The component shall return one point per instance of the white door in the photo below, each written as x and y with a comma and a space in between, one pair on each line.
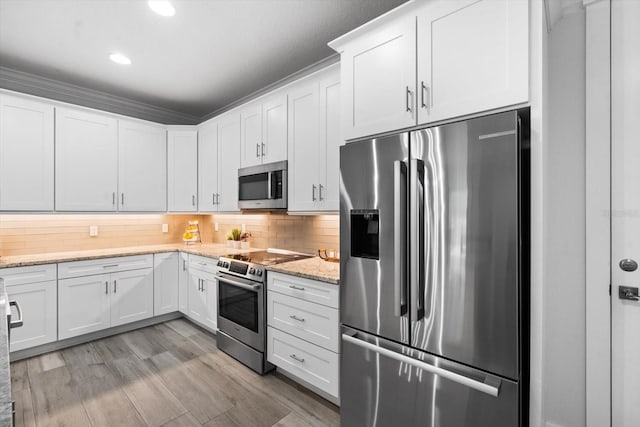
330, 134
183, 282
166, 270
182, 171
197, 299
378, 76
625, 220
274, 129
251, 135
208, 167
210, 286
83, 305
86, 161
131, 296
472, 56
228, 162
26, 155
142, 167
39, 305
303, 147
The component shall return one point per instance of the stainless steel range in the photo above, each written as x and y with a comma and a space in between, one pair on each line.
242, 305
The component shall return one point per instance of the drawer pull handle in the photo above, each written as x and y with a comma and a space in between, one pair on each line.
202, 263
299, 319
297, 288
110, 266
296, 358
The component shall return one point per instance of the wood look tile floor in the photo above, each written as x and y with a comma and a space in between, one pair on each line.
170, 374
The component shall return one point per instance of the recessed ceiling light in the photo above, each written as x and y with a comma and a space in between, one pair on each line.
162, 7
119, 58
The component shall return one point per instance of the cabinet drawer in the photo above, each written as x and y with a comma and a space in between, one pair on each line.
315, 365
203, 263
312, 322
306, 289
103, 265
31, 274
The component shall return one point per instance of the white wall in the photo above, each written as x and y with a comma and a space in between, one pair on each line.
563, 327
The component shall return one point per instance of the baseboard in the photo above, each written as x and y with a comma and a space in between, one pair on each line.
314, 389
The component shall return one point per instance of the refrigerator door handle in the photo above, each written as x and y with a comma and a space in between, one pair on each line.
490, 386
399, 238
417, 239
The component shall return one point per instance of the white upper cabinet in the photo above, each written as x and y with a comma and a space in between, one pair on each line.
228, 162
26, 155
378, 74
86, 161
314, 141
142, 167
472, 57
208, 167
182, 170
264, 131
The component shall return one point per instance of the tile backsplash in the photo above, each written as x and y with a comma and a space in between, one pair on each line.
41, 233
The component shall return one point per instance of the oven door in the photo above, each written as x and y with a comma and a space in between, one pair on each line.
263, 186
241, 310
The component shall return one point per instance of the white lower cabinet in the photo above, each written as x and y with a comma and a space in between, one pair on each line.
35, 290
202, 293
166, 287
92, 303
303, 321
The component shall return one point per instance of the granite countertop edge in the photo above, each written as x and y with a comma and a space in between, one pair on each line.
322, 271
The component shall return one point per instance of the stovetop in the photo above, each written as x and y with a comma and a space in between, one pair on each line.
266, 257
252, 265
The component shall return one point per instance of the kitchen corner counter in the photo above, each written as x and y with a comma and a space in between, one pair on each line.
211, 250
311, 268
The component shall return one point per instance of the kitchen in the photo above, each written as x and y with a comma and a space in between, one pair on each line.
116, 212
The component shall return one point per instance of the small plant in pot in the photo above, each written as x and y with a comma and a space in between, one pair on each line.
244, 240
235, 234
229, 238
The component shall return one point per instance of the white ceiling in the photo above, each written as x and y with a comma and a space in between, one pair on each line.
211, 53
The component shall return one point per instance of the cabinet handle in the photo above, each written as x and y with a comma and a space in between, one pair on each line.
296, 358
193, 200
122, 199
110, 266
257, 150
184, 265
297, 288
217, 198
115, 286
320, 187
263, 149
425, 92
16, 323
106, 287
203, 285
113, 198
299, 319
407, 96
313, 192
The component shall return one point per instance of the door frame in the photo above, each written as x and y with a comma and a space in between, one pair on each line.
598, 212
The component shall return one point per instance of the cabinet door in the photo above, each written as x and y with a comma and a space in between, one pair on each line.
303, 147
183, 171
26, 155
330, 134
183, 283
472, 57
274, 129
142, 167
197, 306
83, 305
228, 162
210, 286
378, 77
166, 270
131, 296
251, 135
208, 167
39, 304
86, 161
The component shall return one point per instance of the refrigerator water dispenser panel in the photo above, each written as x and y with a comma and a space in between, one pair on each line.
365, 234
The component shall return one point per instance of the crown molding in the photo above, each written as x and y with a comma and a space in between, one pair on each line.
32, 84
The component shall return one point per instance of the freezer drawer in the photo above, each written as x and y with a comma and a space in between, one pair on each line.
386, 384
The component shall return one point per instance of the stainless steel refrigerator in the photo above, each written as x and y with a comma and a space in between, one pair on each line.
434, 276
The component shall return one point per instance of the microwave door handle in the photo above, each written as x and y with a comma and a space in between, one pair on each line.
269, 194
399, 237
417, 238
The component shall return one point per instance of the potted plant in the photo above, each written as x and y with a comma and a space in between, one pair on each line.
244, 240
229, 238
235, 234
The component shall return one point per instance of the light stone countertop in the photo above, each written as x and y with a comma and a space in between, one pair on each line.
5, 382
311, 268
211, 250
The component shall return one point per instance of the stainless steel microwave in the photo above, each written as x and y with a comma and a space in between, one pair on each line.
263, 187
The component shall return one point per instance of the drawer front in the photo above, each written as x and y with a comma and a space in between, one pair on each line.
32, 274
306, 289
315, 365
203, 263
312, 322
104, 265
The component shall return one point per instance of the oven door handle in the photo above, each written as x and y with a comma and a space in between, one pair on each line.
255, 287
